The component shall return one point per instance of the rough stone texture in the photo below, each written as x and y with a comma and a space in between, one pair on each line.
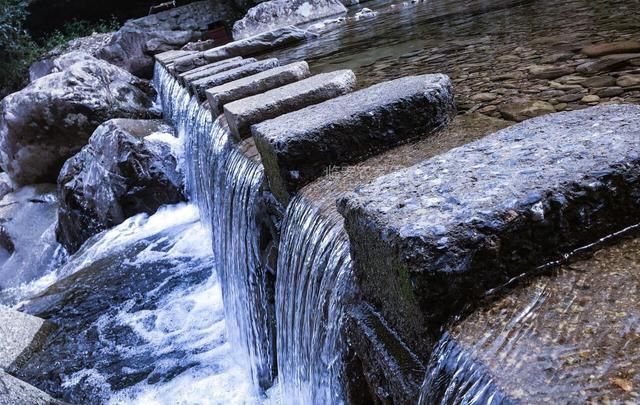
278, 13
213, 68
49, 121
17, 392
575, 327
133, 46
27, 240
62, 62
260, 43
297, 147
199, 86
255, 84
430, 239
243, 113
20, 335
120, 173
611, 48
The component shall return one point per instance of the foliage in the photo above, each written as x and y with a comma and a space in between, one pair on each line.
18, 50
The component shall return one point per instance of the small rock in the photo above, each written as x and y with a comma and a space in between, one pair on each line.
572, 79
508, 58
557, 57
628, 80
365, 13
484, 97
550, 71
611, 48
569, 98
591, 98
564, 87
522, 111
599, 81
610, 91
561, 106
606, 63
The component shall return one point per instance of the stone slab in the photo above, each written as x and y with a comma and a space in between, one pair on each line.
568, 337
17, 392
243, 113
20, 334
255, 84
169, 56
211, 69
431, 239
298, 147
260, 43
199, 86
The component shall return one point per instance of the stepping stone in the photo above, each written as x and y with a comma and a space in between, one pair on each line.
199, 86
256, 84
297, 147
20, 335
261, 43
430, 239
213, 68
167, 57
243, 113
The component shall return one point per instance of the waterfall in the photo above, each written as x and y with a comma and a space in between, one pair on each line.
227, 187
314, 277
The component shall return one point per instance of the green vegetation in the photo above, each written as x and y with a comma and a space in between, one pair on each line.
18, 49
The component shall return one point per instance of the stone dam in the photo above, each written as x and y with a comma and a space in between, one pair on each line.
449, 222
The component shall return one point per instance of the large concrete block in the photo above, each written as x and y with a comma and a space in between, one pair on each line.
211, 69
256, 84
199, 86
243, 113
20, 335
260, 43
297, 147
431, 239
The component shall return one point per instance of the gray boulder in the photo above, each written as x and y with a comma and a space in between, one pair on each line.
50, 120
275, 14
123, 171
63, 62
134, 45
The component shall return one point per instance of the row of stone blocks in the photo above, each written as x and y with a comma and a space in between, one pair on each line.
432, 239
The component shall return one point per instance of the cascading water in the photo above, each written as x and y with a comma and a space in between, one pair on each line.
227, 186
314, 278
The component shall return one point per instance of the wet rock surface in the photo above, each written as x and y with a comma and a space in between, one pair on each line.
242, 114
121, 172
255, 84
213, 68
430, 239
556, 338
261, 43
199, 86
274, 14
350, 128
49, 121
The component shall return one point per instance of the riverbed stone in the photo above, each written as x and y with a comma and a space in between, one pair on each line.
609, 92
628, 81
297, 147
599, 81
550, 71
199, 86
243, 113
261, 43
610, 48
431, 239
606, 63
520, 111
211, 69
255, 84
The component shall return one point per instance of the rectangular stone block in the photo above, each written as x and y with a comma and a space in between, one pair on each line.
297, 147
199, 86
261, 43
255, 84
243, 113
169, 56
211, 69
17, 392
432, 239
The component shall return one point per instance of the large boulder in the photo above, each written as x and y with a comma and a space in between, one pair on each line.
274, 14
128, 167
50, 120
63, 62
134, 45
